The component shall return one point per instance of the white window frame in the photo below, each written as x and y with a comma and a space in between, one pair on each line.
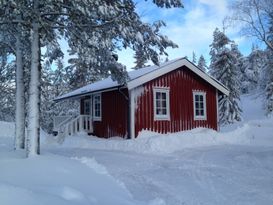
96, 118
165, 90
85, 102
200, 117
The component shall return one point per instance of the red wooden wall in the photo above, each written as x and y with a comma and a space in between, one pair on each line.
181, 82
114, 115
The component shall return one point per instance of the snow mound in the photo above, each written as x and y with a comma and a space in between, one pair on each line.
255, 130
154, 143
7, 129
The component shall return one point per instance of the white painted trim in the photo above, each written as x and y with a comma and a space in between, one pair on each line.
95, 118
204, 102
162, 90
172, 66
132, 113
217, 110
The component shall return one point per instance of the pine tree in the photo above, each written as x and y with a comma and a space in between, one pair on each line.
251, 70
224, 68
202, 63
194, 57
97, 28
140, 58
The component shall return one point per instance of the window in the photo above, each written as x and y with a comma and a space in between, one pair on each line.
97, 107
161, 104
86, 106
199, 106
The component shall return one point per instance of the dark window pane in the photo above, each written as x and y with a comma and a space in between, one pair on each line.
158, 104
158, 95
164, 104
201, 97
196, 105
201, 105
202, 112
197, 112
163, 96
164, 112
196, 97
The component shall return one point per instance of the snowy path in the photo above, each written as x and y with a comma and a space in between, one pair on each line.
210, 175
198, 167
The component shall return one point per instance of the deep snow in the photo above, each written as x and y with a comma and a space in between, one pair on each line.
200, 166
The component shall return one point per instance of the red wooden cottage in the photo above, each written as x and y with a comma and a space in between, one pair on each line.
172, 97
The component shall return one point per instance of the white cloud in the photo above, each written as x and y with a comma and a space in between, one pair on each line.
192, 27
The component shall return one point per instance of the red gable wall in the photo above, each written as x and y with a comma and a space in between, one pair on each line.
181, 82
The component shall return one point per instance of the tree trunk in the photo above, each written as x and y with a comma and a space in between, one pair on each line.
33, 134
20, 98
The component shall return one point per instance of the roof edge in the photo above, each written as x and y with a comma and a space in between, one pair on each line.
87, 93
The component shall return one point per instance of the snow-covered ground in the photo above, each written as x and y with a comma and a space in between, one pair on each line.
234, 166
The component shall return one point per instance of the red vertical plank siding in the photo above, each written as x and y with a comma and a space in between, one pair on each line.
182, 82
114, 115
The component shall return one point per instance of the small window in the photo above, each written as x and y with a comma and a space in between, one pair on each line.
86, 106
199, 105
97, 107
161, 104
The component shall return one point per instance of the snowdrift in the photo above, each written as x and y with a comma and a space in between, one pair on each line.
154, 143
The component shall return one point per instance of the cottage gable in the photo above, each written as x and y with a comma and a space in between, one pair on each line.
172, 97
142, 76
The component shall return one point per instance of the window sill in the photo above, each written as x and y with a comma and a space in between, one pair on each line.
96, 119
200, 118
161, 118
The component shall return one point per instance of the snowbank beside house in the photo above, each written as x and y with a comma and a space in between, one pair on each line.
154, 143
254, 130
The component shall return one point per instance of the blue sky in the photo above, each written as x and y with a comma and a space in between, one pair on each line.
191, 27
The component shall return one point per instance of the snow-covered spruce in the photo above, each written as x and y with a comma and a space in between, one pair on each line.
194, 57
202, 63
251, 70
224, 67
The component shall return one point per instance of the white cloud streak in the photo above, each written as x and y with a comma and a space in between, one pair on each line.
192, 28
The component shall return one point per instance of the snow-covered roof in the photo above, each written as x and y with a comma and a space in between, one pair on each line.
143, 75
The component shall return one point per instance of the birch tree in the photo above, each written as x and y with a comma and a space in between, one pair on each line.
253, 17
98, 28
269, 73
7, 71
12, 33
